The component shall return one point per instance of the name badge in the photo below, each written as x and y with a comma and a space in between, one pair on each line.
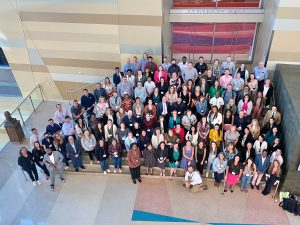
104, 155
161, 158
184, 101
148, 130
162, 93
130, 125
145, 145
137, 135
123, 138
125, 92
233, 173
179, 112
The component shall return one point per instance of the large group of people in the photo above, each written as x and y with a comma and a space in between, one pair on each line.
215, 121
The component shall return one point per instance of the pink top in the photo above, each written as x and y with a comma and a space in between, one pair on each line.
225, 80
157, 76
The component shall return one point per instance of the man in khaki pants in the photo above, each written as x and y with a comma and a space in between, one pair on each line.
193, 180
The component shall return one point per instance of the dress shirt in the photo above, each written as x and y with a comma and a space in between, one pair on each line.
194, 177
260, 73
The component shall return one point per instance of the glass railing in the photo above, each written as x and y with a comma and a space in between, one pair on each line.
22, 112
77, 93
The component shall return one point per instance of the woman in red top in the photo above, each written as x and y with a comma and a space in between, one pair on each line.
159, 74
134, 163
127, 103
179, 131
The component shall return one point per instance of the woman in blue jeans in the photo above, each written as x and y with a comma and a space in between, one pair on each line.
219, 167
248, 171
102, 155
115, 150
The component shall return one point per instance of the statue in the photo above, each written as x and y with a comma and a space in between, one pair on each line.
8, 119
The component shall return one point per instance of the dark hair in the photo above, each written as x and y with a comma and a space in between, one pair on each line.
20, 153
117, 68
33, 129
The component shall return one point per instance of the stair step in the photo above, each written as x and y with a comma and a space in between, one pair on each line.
95, 168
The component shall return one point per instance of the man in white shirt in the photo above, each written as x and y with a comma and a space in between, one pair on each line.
193, 180
183, 65
277, 155
217, 101
149, 86
35, 136
60, 114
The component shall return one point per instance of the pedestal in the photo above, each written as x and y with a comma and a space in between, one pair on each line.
15, 132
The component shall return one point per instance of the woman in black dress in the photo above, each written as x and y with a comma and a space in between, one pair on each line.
26, 161
272, 177
149, 159
143, 140
38, 153
161, 154
200, 156
99, 132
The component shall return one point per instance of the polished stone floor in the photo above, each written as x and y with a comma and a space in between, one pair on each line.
88, 199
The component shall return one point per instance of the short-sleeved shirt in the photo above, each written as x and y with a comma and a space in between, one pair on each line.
76, 111
234, 169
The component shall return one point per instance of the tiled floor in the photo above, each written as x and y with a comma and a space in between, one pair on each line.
87, 199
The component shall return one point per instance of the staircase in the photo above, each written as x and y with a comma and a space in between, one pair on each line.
95, 167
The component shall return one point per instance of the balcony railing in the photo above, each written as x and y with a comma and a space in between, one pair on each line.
22, 112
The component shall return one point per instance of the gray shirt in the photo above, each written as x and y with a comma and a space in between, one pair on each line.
189, 74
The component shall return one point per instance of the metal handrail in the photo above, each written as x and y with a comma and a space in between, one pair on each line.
27, 97
83, 87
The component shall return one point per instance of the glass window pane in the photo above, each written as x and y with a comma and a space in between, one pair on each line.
216, 3
213, 40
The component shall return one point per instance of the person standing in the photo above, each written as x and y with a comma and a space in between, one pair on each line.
262, 162
74, 150
102, 156
272, 177
260, 73
248, 171
233, 173
149, 159
88, 102
54, 162
115, 150
38, 153
134, 163
26, 161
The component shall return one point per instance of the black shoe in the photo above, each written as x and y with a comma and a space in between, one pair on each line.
76, 170
134, 181
62, 180
225, 190
232, 191
252, 186
82, 167
257, 187
140, 180
52, 187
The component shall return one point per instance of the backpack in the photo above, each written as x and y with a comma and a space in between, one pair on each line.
289, 205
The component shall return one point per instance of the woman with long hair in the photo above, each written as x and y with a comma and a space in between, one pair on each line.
38, 153
26, 161
101, 109
254, 128
245, 105
109, 87
215, 135
272, 176
174, 159
252, 84
232, 135
171, 95
230, 151
102, 155
203, 128
120, 115
60, 145
234, 171
213, 152
149, 159
161, 154
127, 103
162, 88
219, 167
200, 156
157, 138
228, 119
188, 156
214, 117
258, 106
231, 106
160, 73
249, 169
80, 127
193, 136
214, 89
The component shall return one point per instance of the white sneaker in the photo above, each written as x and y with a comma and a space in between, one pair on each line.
115, 170
33, 183
120, 171
105, 172
206, 174
66, 167
108, 170
91, 162
39, 182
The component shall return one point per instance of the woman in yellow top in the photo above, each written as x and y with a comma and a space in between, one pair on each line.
215, 135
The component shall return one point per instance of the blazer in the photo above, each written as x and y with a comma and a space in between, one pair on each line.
58, 159
249, 109
156, 76
262, 167
117, 79
259, 147
156, 142
71, 151
171, 158
160, 108
244, 155
106, 133
277, 117
115, 105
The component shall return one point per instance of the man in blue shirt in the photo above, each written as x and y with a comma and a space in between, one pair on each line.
144, 61
52, 128
135, 66
88, 102
260, 73
127, 66
99, 92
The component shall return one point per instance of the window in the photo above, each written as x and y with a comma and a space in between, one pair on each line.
216, 3
213, 40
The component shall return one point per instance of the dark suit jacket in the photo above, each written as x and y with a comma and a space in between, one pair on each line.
160, 108
244, 156
262, 167
71, 151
